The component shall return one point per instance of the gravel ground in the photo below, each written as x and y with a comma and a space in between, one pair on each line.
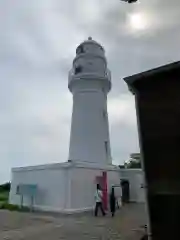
31, 226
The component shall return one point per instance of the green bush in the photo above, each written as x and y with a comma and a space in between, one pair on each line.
5, 187
12, 207
24, 209
4, 196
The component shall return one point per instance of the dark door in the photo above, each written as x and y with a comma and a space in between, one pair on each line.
125, 191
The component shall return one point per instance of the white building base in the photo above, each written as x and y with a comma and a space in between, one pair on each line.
135, 177
63, 187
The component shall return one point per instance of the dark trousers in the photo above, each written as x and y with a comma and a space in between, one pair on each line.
112, 213
113, 208
99, 205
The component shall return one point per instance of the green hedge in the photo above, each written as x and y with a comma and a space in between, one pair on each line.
5, 187
4, 196
12, 207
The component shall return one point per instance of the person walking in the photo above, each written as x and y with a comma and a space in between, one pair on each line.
98, 199
112, 202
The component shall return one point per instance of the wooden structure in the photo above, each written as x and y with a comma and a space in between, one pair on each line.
157, 97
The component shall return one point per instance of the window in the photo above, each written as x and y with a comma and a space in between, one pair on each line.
106, 147
78, 69
101, 48
104, 114
17, 190
80, 50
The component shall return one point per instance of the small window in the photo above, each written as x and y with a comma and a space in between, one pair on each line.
104, 114
78, 69
80, 50
106, 147
101, 48
17, 190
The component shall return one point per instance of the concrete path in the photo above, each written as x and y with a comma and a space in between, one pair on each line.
125, 225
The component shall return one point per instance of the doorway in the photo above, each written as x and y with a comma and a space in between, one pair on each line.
125, 190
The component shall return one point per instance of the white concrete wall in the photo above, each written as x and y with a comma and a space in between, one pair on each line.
135, 178
83, 186
89, 139
51, 188
89, 128
114, 179
72, 188
66, 187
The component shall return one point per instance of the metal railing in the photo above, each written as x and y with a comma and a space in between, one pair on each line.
72, 74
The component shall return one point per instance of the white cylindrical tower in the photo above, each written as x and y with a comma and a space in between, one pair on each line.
89, 82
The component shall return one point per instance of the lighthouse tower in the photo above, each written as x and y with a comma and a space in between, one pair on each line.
89, 161
90, 82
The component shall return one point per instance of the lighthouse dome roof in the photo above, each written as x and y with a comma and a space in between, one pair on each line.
89, 41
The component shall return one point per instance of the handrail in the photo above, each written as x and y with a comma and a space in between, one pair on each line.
72, 74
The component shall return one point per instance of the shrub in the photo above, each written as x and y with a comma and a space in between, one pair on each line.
10, 207
13, 207
5, 187
24, 209
4, 196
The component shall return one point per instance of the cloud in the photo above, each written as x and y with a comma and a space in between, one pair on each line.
122, 110
37, 45
123, 127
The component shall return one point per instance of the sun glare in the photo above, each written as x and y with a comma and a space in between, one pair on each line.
138, 21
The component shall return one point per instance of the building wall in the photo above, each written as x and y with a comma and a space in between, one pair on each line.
63, 189
135, 178
83, 186
89, 140
72, 188
51, 188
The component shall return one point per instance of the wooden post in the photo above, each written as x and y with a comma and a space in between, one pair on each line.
21, 200
32, 201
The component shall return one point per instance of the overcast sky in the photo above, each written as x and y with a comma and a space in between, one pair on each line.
38, 39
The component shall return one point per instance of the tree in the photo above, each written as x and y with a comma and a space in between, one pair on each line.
5, 187
134, 161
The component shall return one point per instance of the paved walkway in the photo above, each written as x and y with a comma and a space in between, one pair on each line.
25, 226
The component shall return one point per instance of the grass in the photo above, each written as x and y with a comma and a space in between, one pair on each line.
4, 195
9, 207
13, 207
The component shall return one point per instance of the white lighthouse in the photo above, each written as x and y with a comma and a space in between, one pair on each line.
69, 186
90, 82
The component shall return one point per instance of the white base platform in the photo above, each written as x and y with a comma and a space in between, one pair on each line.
62, 187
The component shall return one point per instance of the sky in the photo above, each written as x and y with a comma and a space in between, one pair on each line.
38, 39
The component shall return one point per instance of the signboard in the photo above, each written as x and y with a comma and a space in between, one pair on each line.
27, 189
